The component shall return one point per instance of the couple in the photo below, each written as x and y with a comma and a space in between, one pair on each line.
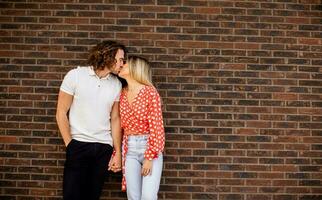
99, 111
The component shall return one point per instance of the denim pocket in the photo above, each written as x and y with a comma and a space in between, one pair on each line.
137, 145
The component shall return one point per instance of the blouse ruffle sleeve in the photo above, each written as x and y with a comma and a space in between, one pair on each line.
156, 138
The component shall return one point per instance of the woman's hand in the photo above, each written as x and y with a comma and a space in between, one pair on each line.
115, 163
147, 167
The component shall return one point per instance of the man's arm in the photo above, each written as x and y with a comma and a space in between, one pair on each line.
117, 137
64, 102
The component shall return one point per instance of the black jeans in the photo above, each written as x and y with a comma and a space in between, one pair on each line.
85, 170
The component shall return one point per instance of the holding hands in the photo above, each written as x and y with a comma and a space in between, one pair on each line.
115, 164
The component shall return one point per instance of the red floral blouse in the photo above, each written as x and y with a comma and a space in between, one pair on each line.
143, 116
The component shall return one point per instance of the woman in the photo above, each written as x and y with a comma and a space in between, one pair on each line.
143, 138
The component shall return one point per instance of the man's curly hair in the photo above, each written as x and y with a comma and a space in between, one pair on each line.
103, 54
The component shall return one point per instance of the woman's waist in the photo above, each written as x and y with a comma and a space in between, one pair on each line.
137, 132
137, 143
134, 125
136, 136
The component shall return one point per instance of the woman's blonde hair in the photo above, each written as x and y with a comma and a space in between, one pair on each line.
140, 70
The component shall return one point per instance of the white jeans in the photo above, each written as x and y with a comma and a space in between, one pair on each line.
141, 187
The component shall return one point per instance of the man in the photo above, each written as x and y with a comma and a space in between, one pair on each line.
91, 95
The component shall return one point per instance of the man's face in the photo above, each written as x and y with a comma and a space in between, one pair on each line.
119, 57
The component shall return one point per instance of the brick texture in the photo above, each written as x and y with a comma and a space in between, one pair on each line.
240, 81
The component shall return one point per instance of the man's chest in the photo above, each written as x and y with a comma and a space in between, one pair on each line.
91, 90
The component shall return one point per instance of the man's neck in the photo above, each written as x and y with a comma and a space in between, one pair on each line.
102, 73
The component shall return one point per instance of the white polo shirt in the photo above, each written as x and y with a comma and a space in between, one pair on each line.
90, 112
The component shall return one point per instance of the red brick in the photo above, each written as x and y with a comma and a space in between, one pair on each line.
240, 83
8, 139
194, 44
285, 168
207, 10
258, 182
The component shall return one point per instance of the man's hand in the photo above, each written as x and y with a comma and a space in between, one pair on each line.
67, 143
147, 167
115, 164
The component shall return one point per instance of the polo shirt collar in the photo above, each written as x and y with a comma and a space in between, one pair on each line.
91, 72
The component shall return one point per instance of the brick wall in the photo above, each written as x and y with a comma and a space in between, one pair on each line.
240, 82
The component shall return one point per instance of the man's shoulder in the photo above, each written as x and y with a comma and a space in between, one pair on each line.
78, 69
83, 69
115, 79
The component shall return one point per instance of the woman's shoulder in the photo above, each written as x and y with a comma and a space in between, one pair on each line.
151, 92
151, 89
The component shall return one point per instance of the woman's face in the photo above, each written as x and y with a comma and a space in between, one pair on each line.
125, 72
